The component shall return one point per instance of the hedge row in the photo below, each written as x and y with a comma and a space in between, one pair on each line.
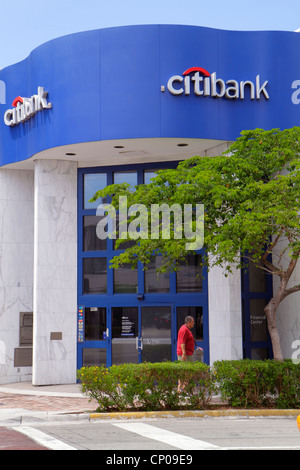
153, 386
257, 384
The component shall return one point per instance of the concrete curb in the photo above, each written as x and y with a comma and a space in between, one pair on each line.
15, 418
197, 414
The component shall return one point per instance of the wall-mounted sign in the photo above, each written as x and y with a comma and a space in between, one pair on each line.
202, 83
128, 327
80, 326
25, 108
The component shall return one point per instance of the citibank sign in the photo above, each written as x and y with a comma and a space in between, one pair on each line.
200, 82
25, 108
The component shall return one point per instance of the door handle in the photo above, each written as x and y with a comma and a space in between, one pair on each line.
139, 343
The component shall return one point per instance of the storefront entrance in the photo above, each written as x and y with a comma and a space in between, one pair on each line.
141, 334
117, 335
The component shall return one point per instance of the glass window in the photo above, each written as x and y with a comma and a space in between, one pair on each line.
257, 278
189, 276
129, 177
125, 280
93, 357
94, 323
124, 322
197, 314
155, 281
258, 320
90, 240
148, 175
92, 182
259, 354
156, 334
119, 230
94, 275
124, 334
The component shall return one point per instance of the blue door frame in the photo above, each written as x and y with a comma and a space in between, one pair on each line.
109, 299
250, 346
106, 344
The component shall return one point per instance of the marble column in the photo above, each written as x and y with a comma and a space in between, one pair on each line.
55, 272
225, 315
16, 267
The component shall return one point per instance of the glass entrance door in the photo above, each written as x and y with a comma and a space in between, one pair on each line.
118, 335
124, 335
155, 339
141, 334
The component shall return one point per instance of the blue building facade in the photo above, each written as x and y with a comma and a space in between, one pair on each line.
115, 105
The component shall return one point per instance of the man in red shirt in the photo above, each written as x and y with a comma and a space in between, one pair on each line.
185, 344
185, 341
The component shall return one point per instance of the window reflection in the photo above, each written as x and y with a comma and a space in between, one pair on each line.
90, 240
258, 320
257, 278
156, 334
155, 281
93, 182
124, 333
129, 177
94, 275
124, 322
93, 357
125, 280
197, 314
189, 276
119, 229
148, 175
94, 323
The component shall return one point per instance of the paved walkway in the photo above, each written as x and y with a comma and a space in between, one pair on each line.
21, 402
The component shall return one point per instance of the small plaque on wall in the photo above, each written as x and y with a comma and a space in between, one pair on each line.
56, 335
23, 357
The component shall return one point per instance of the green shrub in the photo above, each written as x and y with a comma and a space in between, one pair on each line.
153, 386
148, 386
256, 384
288, 385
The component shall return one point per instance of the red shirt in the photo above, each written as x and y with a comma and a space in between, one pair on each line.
185, 337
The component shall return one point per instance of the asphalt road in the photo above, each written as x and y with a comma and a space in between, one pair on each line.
177, 436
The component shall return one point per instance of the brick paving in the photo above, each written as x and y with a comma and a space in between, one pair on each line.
11, 439
14, 440
47, 403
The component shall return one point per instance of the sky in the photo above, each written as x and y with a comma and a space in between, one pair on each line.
26, 24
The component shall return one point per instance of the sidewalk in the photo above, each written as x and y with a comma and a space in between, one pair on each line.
22, 403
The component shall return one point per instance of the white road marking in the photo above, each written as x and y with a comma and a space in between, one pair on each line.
43, 438
174, 439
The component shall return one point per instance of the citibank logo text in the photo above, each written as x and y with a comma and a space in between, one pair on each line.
202, 83
25, 108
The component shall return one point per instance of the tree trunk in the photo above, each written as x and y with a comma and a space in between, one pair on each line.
271, 310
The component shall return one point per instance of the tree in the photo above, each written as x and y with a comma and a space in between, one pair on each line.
251, 201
